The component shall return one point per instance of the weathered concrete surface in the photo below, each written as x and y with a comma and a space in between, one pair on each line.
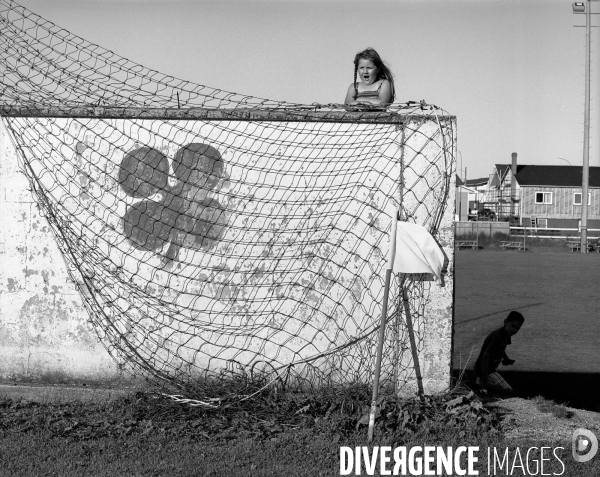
44, 333
432, 305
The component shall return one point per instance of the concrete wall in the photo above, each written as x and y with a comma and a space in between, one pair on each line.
44, 332
43, 324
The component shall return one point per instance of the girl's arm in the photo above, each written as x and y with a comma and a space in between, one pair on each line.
385, 93
350, 95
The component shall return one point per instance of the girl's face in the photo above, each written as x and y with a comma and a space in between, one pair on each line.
367, 71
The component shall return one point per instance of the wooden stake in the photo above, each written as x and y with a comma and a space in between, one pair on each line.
413, 343
386, 292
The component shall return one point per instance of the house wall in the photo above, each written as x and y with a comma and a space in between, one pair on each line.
482, 192
562, 206
462, 203
499, 191
572, 224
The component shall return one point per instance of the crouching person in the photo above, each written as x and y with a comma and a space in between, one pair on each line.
493, 352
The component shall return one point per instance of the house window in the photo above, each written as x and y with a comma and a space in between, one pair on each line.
543, 197
577, 198
538, 223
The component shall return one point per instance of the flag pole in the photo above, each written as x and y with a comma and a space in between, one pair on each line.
386, 292
413, 342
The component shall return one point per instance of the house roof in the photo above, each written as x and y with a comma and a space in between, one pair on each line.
550, 176
477, 182
502, 169
471, 182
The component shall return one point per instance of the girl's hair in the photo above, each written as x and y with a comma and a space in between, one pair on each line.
383, 71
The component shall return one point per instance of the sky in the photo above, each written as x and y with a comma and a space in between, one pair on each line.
511, 71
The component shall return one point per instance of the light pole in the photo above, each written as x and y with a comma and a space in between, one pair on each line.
585, 7
461, 169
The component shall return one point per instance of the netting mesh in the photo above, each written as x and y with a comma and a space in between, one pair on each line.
208, 230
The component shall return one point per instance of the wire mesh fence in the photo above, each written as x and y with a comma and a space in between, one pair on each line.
210, 231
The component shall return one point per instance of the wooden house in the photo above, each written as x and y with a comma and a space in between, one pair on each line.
547, 196
500, 196
469, 195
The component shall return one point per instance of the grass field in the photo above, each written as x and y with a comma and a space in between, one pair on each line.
559, 295
135, 435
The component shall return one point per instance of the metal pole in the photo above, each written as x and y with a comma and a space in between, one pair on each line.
386, 291
586, 131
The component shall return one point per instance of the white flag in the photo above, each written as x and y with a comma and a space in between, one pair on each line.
417, 251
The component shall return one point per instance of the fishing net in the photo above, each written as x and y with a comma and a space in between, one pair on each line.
211, 231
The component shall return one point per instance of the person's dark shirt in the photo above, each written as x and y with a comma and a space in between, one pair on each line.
495, 345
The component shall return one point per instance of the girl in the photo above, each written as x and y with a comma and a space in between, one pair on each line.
377, 82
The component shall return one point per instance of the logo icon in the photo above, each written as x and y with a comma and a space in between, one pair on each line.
584, 445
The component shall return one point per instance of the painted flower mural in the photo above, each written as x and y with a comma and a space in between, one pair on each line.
177, 209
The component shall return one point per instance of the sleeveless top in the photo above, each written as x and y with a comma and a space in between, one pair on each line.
369, 94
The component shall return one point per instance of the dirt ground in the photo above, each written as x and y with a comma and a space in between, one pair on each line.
525, 420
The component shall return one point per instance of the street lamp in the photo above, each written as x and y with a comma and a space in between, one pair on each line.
585, 7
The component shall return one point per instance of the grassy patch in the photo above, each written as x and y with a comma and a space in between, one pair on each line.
557, 294
556, 349
148, 434
547, 405
276, 434
484, 240
338, 412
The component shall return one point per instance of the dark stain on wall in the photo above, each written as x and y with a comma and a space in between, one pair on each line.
177, 208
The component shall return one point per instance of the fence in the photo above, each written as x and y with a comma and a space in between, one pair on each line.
553, 233
480, 227
208, 231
